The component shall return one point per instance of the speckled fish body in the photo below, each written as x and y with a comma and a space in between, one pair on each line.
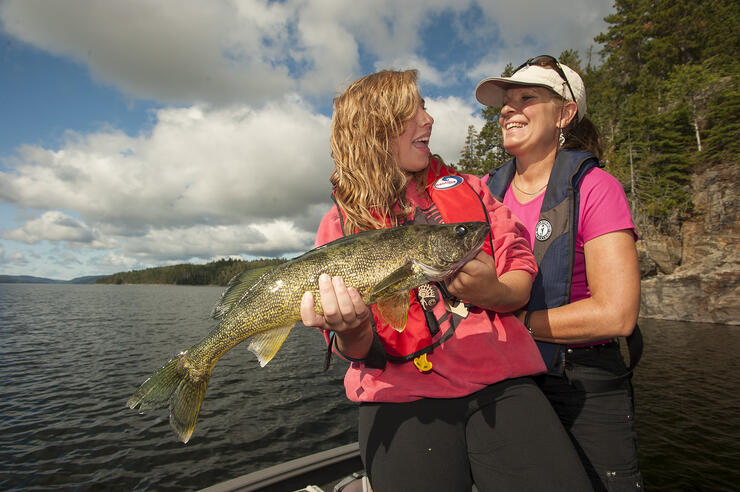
383, 265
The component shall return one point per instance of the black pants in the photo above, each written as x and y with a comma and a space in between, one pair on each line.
599, 418
505, 437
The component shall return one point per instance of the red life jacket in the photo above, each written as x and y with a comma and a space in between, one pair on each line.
456, 201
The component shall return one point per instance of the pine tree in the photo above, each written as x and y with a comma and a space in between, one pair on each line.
469, 162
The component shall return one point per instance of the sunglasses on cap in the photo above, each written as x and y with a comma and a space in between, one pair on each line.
547, 61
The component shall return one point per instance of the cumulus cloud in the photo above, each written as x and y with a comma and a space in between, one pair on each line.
530, 28
203, 183
202, 241
251, 51
452, 116
54, 226
218, 51
232, 165
221, 51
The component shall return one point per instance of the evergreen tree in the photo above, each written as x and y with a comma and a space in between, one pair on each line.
469, 162
490, 143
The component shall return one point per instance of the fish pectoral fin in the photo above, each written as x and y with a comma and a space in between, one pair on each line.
235, 290
395, 310
400, 280
266, 344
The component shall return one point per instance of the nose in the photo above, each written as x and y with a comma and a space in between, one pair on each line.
424, 118
506, 109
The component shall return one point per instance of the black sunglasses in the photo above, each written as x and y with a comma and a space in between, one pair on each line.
548, 62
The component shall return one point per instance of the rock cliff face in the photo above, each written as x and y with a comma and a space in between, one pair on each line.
696, 276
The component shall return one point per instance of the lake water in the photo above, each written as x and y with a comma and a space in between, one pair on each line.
71, 355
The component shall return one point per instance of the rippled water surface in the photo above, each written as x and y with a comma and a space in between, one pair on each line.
70, 356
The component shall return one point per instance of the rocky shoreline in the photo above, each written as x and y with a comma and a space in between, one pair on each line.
694, 275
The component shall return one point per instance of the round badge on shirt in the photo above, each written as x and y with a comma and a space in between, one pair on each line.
447, 182
543, 231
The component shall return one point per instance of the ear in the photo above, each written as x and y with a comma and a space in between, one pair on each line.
568, 112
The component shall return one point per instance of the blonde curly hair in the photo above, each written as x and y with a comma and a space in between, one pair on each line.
368, 115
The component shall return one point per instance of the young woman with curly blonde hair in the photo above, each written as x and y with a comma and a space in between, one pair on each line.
449, 401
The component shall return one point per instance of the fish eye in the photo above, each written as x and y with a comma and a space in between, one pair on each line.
461, 230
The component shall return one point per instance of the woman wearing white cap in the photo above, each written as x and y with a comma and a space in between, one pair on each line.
587, 292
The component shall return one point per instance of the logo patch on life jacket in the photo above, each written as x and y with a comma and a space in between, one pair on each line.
543, 231
447, 182
427, 296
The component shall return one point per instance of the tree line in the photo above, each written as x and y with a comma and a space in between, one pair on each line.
665, 98
215, 273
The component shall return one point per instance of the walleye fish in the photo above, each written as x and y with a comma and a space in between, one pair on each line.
383, 265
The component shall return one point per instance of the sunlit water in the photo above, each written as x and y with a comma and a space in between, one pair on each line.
71, 355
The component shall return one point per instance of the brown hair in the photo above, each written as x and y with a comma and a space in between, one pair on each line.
368, 115
583, 135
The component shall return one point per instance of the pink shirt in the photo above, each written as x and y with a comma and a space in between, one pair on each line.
603, 208
485, 348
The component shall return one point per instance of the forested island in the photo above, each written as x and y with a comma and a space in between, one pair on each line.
215, 273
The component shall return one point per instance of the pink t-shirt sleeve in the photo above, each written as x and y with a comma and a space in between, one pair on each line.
603, 206
603, 209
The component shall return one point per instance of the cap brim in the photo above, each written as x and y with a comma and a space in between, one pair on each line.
491, 91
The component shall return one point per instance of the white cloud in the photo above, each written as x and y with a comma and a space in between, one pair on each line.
172, 51
197, 165
54, 226
218, 51
452, 116
203, 241
536, 27
204, 182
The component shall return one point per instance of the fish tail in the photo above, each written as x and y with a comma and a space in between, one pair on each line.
184, 384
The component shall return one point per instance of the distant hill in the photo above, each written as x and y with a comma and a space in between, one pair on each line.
29, 279
214, 273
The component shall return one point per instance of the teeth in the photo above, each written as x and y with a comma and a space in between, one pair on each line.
509, 126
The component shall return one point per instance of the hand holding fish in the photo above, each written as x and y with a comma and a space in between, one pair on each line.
478, 283
344, 313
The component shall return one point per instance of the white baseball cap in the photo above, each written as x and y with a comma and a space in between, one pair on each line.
491, 91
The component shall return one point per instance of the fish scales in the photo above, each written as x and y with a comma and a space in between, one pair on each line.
383, 265
361, 263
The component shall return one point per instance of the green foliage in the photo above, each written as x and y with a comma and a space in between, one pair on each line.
483, 150
214, 273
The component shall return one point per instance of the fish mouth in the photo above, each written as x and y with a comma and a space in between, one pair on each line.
472, 254
435, 274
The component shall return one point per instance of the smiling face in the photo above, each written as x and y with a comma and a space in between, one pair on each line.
411, 147
530, 120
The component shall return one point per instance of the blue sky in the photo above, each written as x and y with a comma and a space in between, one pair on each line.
138, 133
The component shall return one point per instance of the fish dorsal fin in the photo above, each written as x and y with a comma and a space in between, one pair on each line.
235, 290
395, 310
266, 344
